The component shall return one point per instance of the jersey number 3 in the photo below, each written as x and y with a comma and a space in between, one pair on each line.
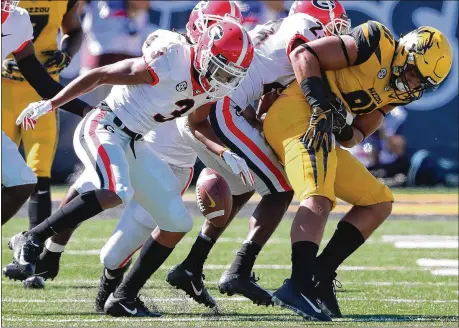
185, 105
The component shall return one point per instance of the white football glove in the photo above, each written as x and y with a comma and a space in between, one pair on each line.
238, 166
29, 116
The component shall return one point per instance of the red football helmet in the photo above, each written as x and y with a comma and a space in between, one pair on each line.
223, 55
206, 13
9, 6
330, 13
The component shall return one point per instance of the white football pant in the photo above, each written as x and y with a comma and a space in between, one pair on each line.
15, 171
244, 140
110, 164
134, 227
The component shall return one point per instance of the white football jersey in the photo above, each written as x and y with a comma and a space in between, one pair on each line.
169, 144
174, 92
271, 65
16, 31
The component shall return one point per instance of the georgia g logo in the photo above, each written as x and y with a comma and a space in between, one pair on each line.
324, 5
216, 32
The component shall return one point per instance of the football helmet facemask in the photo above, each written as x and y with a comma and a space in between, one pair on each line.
206, 13
331, 14
423, 55
223, 55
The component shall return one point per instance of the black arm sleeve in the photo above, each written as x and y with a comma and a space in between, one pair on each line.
366, 45
45, 86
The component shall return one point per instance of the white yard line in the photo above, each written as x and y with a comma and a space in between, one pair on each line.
445, 272
443, 244
438, 263
394, 238
226, 299
95, 283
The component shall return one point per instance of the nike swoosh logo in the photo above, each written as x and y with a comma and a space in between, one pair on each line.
212, 202
312, 305
133, 312
3, 35
195, 290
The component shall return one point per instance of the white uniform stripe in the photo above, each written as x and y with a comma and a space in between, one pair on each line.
233, 11
245, 45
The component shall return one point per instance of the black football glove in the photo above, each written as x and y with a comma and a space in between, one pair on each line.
11, 71
341, 116
320, 130
57, 62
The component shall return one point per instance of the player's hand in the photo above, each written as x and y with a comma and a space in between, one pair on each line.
319, 133
341, 117
30, 115
238, 166
11, 71
28, 123
57, 62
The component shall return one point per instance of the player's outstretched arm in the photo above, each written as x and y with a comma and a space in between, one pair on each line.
41, 81
126, 72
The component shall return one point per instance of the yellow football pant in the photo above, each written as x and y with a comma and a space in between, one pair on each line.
311, 173
40, 143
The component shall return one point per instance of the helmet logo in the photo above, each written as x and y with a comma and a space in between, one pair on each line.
216, 32
325, 5
382, 73
425, 41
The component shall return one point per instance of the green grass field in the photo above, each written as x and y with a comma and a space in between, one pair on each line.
382, 285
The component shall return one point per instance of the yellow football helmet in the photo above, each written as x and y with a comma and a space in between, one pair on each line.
428, 52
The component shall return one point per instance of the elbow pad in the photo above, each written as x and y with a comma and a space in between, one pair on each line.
45, 86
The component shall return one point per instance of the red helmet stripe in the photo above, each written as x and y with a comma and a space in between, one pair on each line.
245, 45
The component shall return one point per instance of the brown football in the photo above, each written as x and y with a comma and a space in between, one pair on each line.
213, 196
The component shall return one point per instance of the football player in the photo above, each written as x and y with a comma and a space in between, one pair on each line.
18, 180
177, 78
228, 127
47, 18
136, 223
366, 74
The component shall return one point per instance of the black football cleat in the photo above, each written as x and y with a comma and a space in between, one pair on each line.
232, 283
191, 284
108, 286
48, 264
25, 255
124, 307
326, 292
304, 304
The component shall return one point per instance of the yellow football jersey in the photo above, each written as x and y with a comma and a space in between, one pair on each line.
365, 86
46, 18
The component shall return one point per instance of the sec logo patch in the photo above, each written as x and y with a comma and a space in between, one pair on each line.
382, 73
182, 86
